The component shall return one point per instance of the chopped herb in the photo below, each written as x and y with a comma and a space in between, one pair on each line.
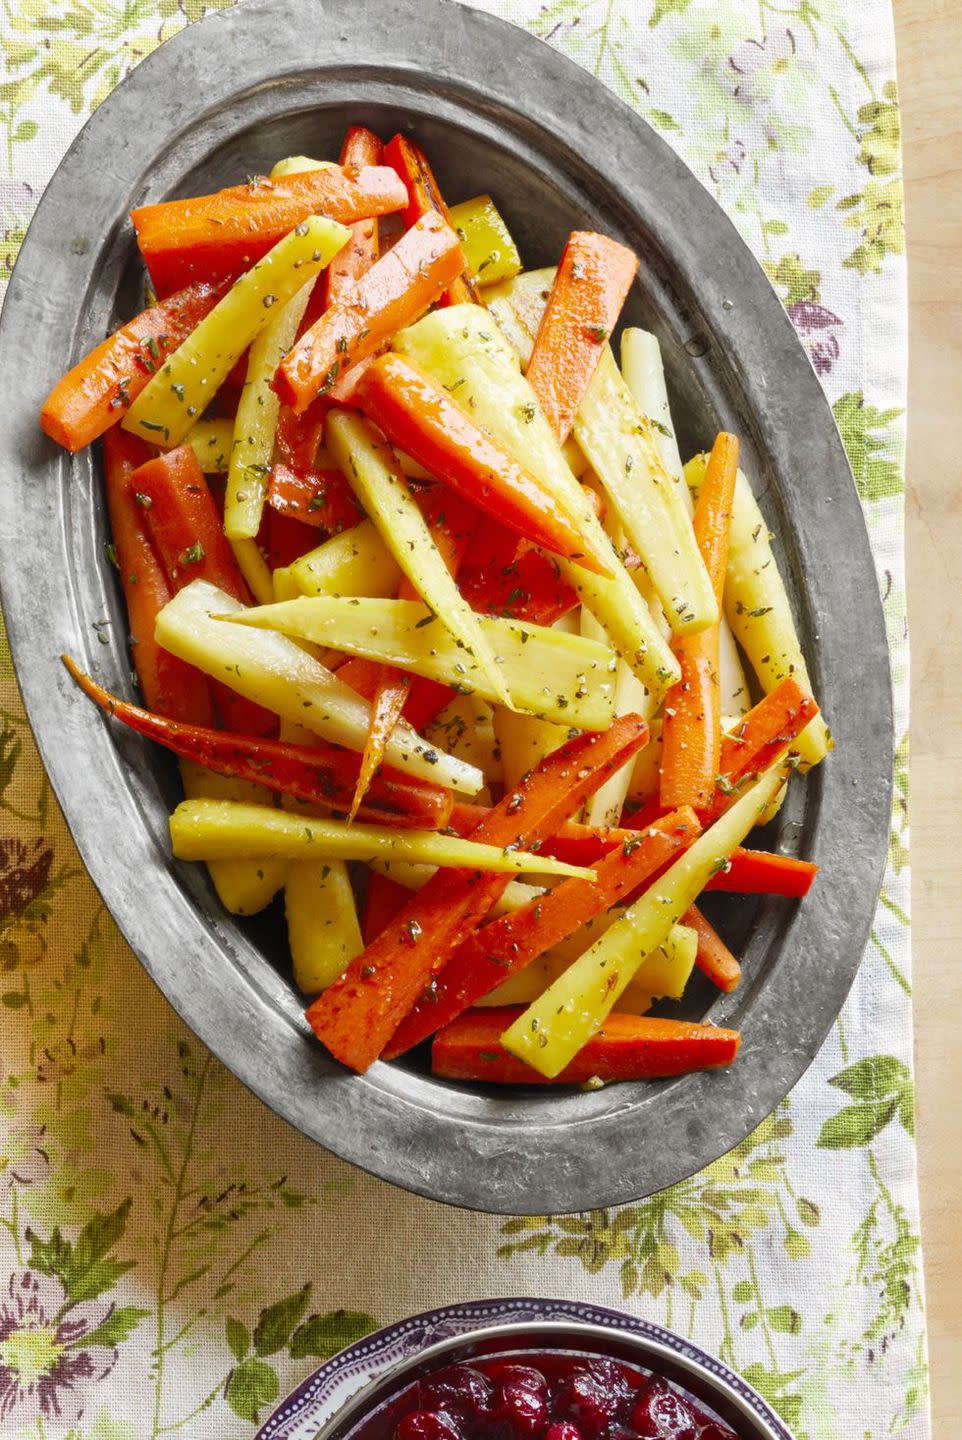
193, 555
598, 334
144, 501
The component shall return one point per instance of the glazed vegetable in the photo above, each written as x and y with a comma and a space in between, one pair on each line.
244, 887
317, 497
275, 672
713, 957
548, 673
764, 737
626, 1047
357, 1016
355, 562
322, 924
592, 281
427, 422
321, 775
94, 395
361, 147
394, 292
227, 830
691, 732
372, 471
462, 346
424, 196
618, 442
757, 606
496, 951
166, 683
488, 247
217, 237
185, 384
555, 1027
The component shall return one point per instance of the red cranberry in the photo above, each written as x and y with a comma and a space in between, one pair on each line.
525, 1377
584, 1401
662, 1414
562, 1430
714, 1431
428, 1425
520, 1405
460, 1388
609, 1375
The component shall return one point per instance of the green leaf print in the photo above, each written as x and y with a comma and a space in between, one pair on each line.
876, 213
83, 1269
856, 1125
793, 281
277, 1322
237, 1337
881, 133
869, 442
118, 1326
882, 1086
250, 1386
666, 7
322, 1336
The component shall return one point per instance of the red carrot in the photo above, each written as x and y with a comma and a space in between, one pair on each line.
762, 738
758, 872
589, 289
384, 900
691, 734
320, 498
321, 774
361, 147
426, 698
287, 538
424, 420
167, 684
395, 292
506, 945
356, 1017
627, 1047
297, 437
713, 956
94, 395
424, 195
217, 237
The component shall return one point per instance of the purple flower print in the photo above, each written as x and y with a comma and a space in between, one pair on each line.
753, 61
26, 1159
46, 1369
818, 331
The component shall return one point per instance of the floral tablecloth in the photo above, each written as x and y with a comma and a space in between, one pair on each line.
172, 1256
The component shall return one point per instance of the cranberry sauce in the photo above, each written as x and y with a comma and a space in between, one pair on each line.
551, 1396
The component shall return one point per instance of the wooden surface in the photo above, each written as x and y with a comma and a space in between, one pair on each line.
929, 38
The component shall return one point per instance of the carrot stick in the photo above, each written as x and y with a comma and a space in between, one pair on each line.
627, 1047
217, 237
167, 684
424, 420
763, 737
713, 956
451, 525
589, 289
426, 698
748, 872
321, 774
361, 147
691, 736
186, 530
320, 498
528, 588
356, 1017
500, 949
288, 538
395, 292
95, 393
424, 195
298, 437
384, 900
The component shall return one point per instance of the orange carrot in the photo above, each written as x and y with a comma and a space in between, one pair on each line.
361, 147
321, 498
627, 1047
386, 710
424, 195
758, 872
713, 956
218, 237
505, 946
395, 292
424, 420
288, 538
168, 685
426, 699
297, 437
356, 1017
589, 289
691, 737
186, 529
94, 395
762, 738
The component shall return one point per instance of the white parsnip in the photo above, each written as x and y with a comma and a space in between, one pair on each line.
244, 887
356, 562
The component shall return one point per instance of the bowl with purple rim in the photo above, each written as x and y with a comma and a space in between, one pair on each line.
378, 1388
